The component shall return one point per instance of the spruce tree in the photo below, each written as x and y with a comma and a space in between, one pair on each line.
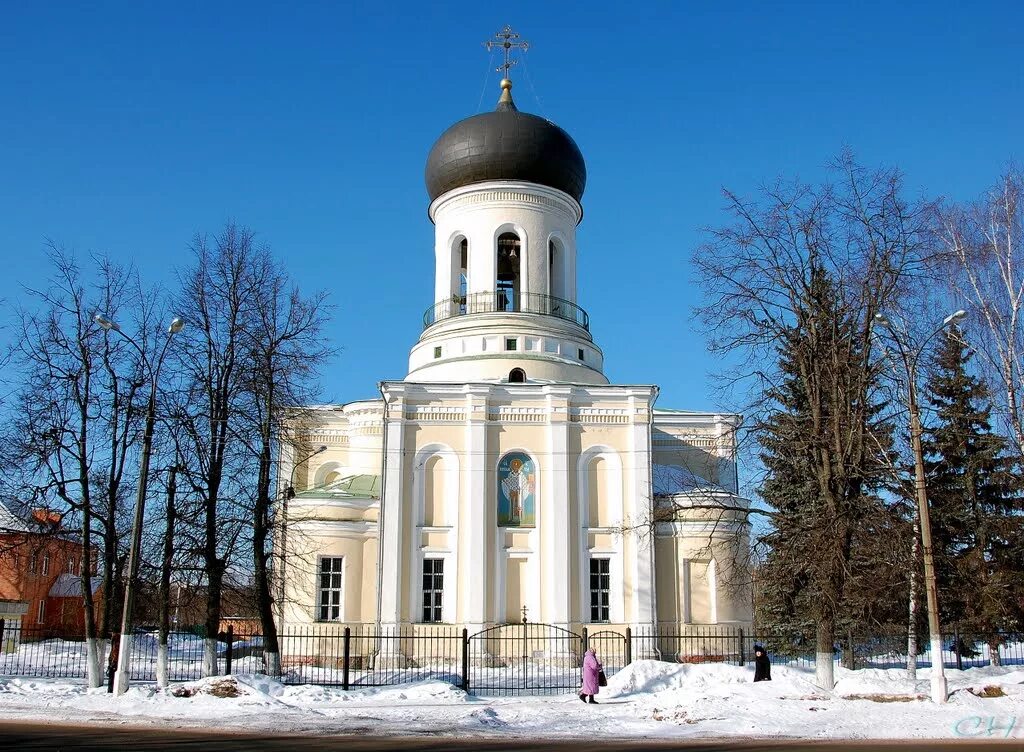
975, 499
850, 570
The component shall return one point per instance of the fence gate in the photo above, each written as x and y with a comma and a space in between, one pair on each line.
525, 659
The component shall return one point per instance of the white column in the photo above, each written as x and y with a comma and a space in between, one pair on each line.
556, 535
525, 259
483, 260
391, 548
442, 271
641, 510
725, 435
570, 273
478, 473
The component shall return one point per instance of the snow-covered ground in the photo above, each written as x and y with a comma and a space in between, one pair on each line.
646, 699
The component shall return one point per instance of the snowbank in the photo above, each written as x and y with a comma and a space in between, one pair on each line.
646, 699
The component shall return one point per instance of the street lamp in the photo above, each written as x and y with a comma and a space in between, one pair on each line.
123, 671
938, 674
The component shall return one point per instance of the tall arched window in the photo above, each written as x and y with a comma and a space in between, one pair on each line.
507, 285
463, 273
556, 269
459, 274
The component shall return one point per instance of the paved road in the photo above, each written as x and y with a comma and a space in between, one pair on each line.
26, 736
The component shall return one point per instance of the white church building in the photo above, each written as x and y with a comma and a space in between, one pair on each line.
505, 477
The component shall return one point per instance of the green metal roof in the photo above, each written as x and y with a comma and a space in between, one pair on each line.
351, 486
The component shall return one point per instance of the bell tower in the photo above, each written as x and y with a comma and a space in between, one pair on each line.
505, 189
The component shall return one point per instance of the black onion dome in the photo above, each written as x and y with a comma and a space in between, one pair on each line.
505, 145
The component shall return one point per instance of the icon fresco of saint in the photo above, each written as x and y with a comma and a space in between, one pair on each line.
516, 486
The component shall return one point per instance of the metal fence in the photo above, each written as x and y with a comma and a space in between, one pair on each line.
505, 301
509, 659
368, 656
527, 658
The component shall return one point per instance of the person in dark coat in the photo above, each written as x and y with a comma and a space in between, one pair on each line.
762, 666
591, 683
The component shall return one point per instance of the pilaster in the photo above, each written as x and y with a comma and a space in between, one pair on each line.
556, 536
641, 509
474, 566
391, 552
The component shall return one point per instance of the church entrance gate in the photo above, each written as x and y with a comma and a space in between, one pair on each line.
524, 659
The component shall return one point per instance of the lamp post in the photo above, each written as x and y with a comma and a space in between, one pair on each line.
123, 671
938, 674
287, 495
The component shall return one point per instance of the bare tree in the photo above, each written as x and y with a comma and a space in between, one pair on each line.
76, 418
983, 241
216, 297
284, 349
808, 268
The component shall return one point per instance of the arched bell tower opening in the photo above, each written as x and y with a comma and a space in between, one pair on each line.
463, 279
459, 274
508, 282
556, 269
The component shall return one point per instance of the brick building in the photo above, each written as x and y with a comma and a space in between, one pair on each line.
40, 573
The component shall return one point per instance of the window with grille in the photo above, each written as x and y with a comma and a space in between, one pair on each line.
599, 588
330, 588
433, 589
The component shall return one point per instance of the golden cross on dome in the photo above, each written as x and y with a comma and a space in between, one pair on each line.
507, 40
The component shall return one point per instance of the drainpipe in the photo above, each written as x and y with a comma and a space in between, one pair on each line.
653, 511
380, 513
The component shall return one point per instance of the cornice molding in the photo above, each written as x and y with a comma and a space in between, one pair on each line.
511, 192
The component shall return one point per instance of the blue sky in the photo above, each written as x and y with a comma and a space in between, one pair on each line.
128, 127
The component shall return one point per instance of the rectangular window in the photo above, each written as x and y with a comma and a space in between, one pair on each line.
330, 588
600, 582
71, 566
46, 564
437, 351
433, 589
33, 563
41, 613
510, 343
580, 353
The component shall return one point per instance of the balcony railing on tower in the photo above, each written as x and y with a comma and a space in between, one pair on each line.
506, 302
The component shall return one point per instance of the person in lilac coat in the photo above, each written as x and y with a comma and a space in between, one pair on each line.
591, 668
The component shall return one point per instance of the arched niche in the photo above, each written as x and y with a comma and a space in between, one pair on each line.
598, 503
599, 472
599, 479
328, 473
435, 513
434, 492
436, 486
